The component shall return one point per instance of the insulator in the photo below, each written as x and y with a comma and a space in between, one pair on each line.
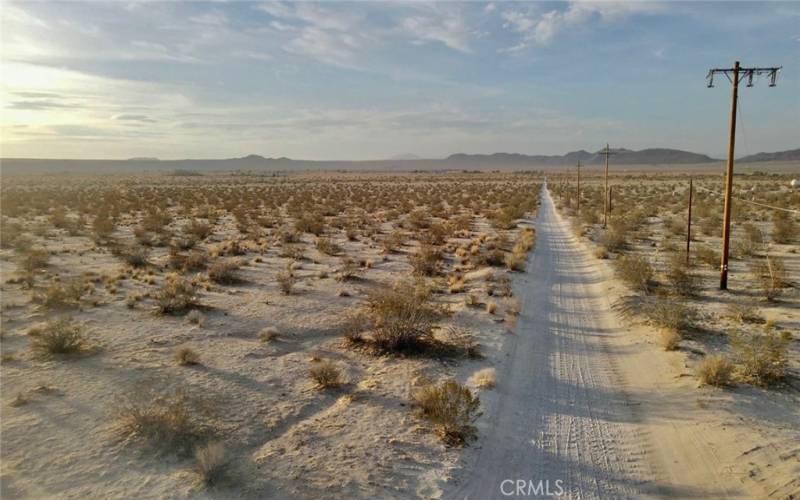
750, 78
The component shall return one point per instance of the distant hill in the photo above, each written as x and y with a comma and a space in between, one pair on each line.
788, 155
653, 156
405, 156
622, 158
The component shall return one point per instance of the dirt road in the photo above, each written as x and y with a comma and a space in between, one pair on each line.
562, 417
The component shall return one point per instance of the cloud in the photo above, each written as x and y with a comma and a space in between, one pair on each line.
37, 105
133, 118
450, 31
541, 28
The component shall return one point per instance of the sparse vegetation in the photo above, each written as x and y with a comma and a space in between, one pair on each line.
326, 374
451, 408
715, 370
58, 337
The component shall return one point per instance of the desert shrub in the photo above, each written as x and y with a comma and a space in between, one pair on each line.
326, 374
451, 407
286, 281
171, 420
294, 252
310, 223
669, 339
195, 317
192, 261
61, 294
187, 357
463, 342
212, 463
156, 220
34, 259
402, 317
671, 315
761, 359
744, 313
60, 336
515, 260
770, 274
224, 272
134, 256
176, 295
327, 246
707, 256
198, 230
715, 370
680, 277
426, 261
784, 229
635, 271
613, 239
103, 226
348, 271
485, 378
353, 327
753, 234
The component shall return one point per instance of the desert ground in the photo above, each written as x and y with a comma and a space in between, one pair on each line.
376, 335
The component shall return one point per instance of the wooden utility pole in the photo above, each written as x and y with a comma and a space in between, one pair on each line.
607, 152
610, 200
689, 223
579, 187
733, 76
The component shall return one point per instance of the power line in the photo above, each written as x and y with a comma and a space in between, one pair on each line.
752, 202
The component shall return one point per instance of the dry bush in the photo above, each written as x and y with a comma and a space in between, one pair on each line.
485, 378
671, 315
176, 295
326, 374
187, 357
613, 238
294, 252
680, 277
402, 317
103, 226
286, 281
463, 341
761, 359
224, 272
707, 256
770, 274
170, 420
348, 271
59, 336
635, 271
715, 370
134, 256
426, 261
327, 246
62, 294
669, 339
33, 259
192, 261
451, 407
354, 326
212, 463
491, 307
310, 223
196, 318
268, 334
784, 229
744, 313
198, 230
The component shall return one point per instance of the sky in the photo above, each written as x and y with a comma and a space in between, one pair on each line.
373, 80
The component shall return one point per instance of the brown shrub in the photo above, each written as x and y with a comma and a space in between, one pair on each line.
451, 407
176, 295
326, 374
761, 359
715, 370
402, 317
60, 336
635, 271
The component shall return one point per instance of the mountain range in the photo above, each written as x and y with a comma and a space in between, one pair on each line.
406, 162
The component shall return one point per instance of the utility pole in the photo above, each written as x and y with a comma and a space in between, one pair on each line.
579, 187
607, 152
689, 223
733, 75
610, 200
